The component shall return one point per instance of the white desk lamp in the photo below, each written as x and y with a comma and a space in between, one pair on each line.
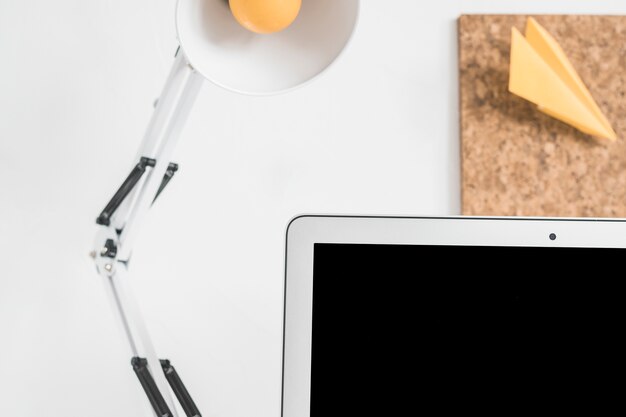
213, 45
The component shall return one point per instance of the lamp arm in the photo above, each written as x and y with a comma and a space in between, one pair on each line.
160, 139
124, 216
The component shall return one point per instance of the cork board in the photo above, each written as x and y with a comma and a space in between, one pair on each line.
519, 161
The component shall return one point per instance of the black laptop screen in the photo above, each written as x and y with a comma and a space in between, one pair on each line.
408, 330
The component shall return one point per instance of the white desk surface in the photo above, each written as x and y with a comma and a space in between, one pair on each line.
377, 134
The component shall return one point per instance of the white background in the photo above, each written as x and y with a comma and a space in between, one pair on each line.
377, 134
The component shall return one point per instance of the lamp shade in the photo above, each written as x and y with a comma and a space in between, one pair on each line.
232, 57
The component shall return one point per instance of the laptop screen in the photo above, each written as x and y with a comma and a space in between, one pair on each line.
403, 329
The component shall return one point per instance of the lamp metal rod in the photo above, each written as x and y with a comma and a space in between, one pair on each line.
158, 144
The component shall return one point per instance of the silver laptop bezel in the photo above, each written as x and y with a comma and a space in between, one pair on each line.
305, 231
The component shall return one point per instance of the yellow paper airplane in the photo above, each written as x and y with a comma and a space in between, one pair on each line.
541, 73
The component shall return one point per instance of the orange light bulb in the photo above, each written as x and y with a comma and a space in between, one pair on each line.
265, 16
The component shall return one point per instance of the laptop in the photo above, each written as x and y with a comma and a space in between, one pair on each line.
420, 316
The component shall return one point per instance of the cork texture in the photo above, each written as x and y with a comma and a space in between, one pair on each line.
517, 161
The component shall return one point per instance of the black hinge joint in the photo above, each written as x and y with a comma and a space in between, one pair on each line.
140, 366
127, 186
167, 177
110, 249
185, 400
